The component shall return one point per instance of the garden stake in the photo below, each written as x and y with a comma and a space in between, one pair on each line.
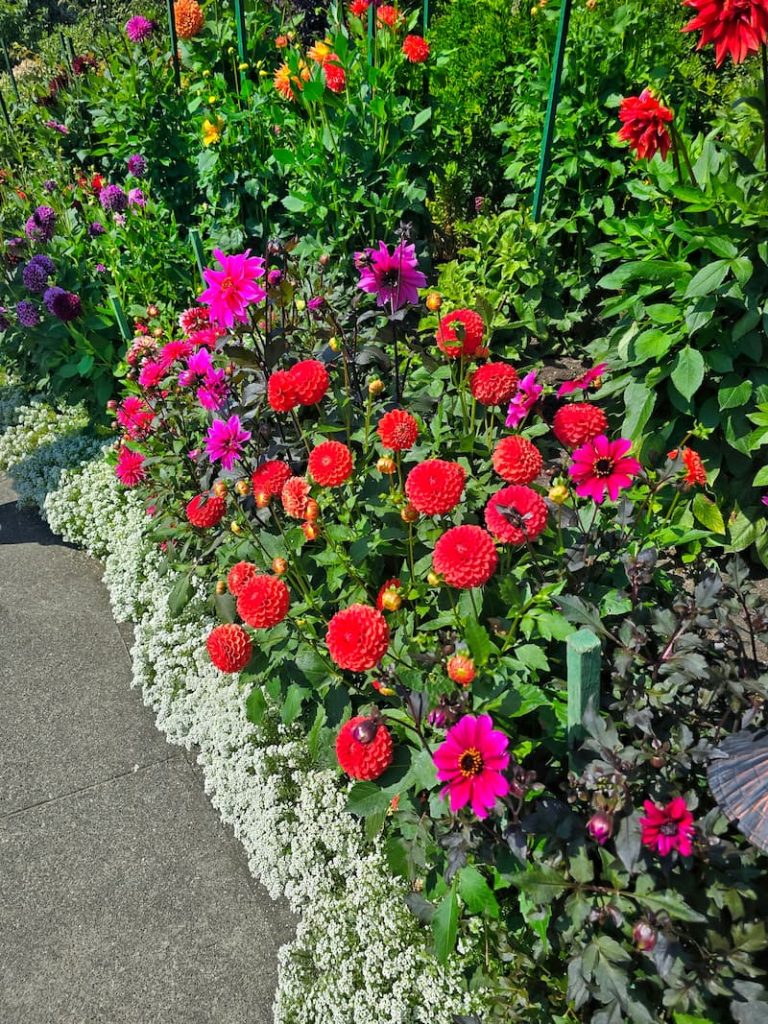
4, 110
122, 323
583, 656
64, 50
240, 23
425, 18
549, 120
370, 34
174, 44
14, 86
197, 249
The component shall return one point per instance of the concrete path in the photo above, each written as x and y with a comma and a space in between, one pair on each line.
123, 899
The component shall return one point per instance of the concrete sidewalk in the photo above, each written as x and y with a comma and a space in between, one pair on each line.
123, 899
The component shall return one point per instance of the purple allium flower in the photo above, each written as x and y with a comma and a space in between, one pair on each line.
224, 441
27, 314
96, 228
41, 225
394, 278
36, 273
57, 126
136, 198
62, 304
214, 391
100, 268
139, 28
49, 186
137, 165
274, 277
113, 198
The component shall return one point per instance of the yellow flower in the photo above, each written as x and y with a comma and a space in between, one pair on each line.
212, 131
319, 52
242, 66
211, 100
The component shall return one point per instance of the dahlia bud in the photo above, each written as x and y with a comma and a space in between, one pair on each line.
312, 511
279, 566
111, 405
461, 669
644, 936
325, 259
152, 311
434, 301
433, 579
365, 731
211, 100
310, 531
221, 587
262, 499
385, 691
206, 73
243, 66
375, 387
230, 50
591, 5
600, 827
391, 600
157, 332
385, 465
236, 528
409, 514
220, 489
558, 494
301, 305
243, 488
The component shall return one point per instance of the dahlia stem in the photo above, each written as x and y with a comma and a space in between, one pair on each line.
764, 61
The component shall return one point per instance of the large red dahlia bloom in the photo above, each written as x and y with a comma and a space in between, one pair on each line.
269, 478
295, 496
239, 575
644, 125
229, 647
281, 391
357, 637
364, 748
465, 556
493, 383
310, 381
579, 422
516, 514
398, 430
205, 511
738, 27
460, 333
263, 602
434, 487
416, 49
330, 464
517, 459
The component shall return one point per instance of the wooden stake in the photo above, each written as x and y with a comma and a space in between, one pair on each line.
583, 658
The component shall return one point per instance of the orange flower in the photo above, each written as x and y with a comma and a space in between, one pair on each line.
281, 42
695, 473
285, 80
319, 53
189, 18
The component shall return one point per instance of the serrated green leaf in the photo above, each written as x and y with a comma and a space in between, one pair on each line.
688, 371
366, 798
476, 892
478, 641
707, 513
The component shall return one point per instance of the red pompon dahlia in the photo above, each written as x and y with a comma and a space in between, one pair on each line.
434, 487
517, 460
398, 430
388, 15
330, 463
281, 391
263, 602
516, 514
364, 748
357, 637
738, 27
295, 496
229, 647
579, 422
334, 74
644, 125
239, 575
205, 511
695, 473
270, 477
416, 49
359, 8
493, 383
310, 381
465, 556
460, 333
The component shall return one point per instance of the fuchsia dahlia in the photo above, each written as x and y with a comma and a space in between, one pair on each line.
232, 289
471, 761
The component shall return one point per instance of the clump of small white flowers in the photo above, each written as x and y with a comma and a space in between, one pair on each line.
36, 425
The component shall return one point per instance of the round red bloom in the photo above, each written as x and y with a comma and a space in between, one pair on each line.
239, 575
357, 637
205, 511
263, 602
667, 828
460, 669
330, 463
644, 125
310, 381
294, 496
388, 15
434, 487
738, 27
359, 7
270, 477
229, 647
695, 473
364, 748
416, 49
517, 460
398, 430
516, 514
465, 556
393, 584
334, 74
579, 422
281, 391
460, 333
493, 383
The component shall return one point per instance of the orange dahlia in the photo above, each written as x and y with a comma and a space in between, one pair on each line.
189, 18
295, 496
493, 383
460, 669
465, 556
695, 473
577, 423
270, 477
239, 575
398, 430
330, 463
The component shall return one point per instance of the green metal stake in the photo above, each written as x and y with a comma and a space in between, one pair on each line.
583, 657
197, 249
549, 121
425, 18
10, 72
71, 47
4, 110
240, 24
174, 44
371, 29
122, 322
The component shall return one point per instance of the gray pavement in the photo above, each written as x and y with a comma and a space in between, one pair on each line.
123, 899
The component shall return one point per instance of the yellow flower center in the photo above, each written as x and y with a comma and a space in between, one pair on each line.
470, 762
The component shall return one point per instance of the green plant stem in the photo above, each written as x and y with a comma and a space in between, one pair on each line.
764, 63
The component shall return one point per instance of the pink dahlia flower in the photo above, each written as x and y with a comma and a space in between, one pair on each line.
135, 417
586, 380
199, 365
130, 467
526, 396
214, 390
224, 441
601, 466
394, 278
667, 828
232, 289
471, 761
139, 28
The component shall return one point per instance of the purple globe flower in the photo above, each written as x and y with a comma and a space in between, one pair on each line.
96, 228
113, 198
100, 268
27, 314
136, 198
44, 260
62, 304
139, 28
41, 225
36, 273
137, 165
49, 186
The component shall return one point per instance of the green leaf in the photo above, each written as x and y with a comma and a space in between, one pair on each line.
688, 371
366, 798
256, 705
542, 883
312, 666
422, 117
225, 607
673, 904
639, 401
532, 656
180, 595
707, 279
761, 479
652, 344
294, 698
445, 925
732, 395
476, 892
708, 514
478, 641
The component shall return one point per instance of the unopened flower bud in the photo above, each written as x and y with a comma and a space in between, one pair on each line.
365, 731
279, 566
211, 100
301, 305
409, 514
220, 488
433, 579
243, 66
152, 311
375, 387
157, 332
434, 301
558, 494
334, 345
236, 528
600, 827
325, 259
310, 531
111, 405
221, 587
262, 499
312, 511
644, 936
385, 691
391, 600
386, 465
243, 488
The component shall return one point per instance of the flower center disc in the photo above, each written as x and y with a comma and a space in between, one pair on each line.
669, 828
471, 762
603, 467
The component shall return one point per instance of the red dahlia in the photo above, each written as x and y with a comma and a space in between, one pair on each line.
239, 575
460, 333
295, 496
229, 647
204, 511
263, 602
695, 473
357, 637
579, 422
516, 514
330, 463
334, 73
493, 383
738, 27
517, 460
388, 15
434, 487
359, 7
644, 125
281, 391
398, 430
364, 748
465, 556
310, 381
270, 477
460, 669
416, 49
